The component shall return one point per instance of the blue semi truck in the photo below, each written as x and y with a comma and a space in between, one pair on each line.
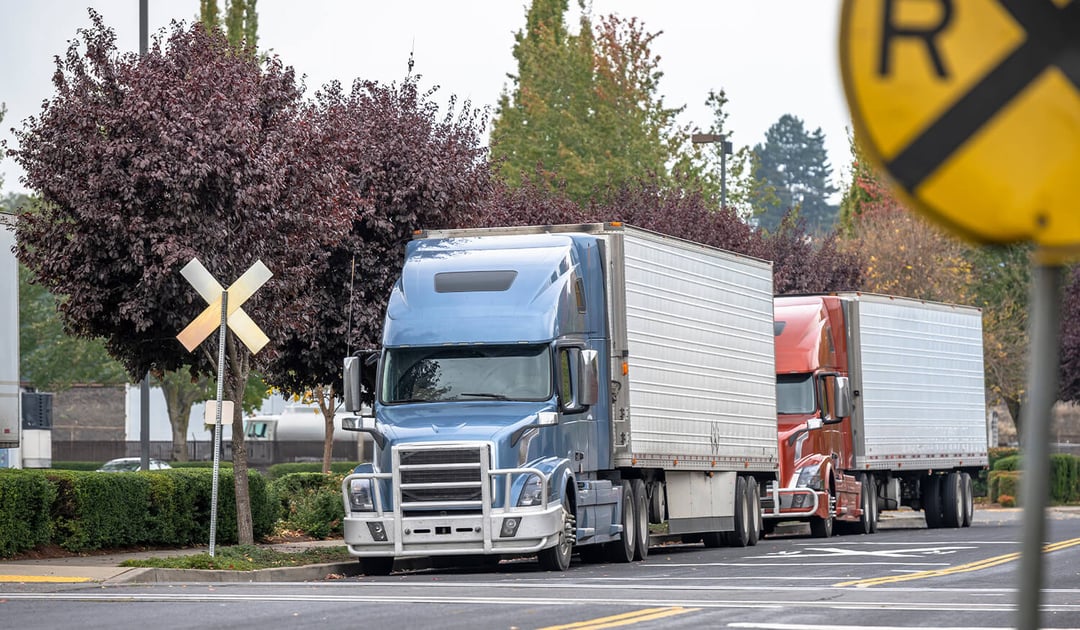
546, 390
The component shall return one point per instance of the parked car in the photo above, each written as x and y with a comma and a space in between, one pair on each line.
131, 464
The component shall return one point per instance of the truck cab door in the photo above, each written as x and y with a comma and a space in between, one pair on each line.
578, 389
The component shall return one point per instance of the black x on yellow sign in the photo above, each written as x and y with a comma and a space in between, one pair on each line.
973, 108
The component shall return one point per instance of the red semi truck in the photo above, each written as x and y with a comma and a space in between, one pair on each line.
880, 403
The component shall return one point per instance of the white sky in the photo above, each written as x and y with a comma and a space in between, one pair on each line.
772, 57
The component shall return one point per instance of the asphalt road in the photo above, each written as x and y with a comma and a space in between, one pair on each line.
899, 578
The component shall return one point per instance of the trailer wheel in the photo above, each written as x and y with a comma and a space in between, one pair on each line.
376, 566
952, 501
641, 519
557, 558
969, 499
874, 511
931, 500
753, 501
740, 536
622, 550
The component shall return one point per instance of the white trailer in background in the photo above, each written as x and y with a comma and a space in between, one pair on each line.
10, 414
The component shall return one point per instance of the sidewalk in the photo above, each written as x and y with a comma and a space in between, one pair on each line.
105, 568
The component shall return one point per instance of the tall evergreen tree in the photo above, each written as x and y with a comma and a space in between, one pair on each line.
584, 110
794, 164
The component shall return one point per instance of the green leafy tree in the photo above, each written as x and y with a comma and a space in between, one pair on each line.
793, 162
584, 112
189, 151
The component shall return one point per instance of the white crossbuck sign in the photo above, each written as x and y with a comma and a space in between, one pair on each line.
238, 293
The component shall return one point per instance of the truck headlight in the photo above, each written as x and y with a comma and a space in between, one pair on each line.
810, 477
360, 496
532, 493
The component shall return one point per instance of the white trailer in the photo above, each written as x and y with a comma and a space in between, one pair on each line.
693, 326
919, 413
10, 415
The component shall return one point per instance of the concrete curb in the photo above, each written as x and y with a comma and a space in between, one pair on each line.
307, 573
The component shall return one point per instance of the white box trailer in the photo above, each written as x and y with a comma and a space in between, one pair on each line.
10, 415
694, 326
917, 368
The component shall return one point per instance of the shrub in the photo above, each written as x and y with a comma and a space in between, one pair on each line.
25, 502
278, 471
310, 503
1004, 482
1007, 501
1064, 478
1010, 462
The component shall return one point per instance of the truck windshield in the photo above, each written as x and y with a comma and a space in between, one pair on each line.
517, 372
795, 393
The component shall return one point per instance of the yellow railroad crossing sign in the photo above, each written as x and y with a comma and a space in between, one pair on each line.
238, 293
973, 108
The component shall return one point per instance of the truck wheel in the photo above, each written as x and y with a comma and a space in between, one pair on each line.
622, 550
969, 498
740, 537
821, 527
376, 566
952, 501
557, 558
754, 503
931, 500
641, 519
867, 519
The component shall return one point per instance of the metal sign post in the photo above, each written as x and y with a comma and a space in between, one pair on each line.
972, 109
231, 315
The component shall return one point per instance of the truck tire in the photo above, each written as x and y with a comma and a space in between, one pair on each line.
740, 536
753, 501
952, 500
866, 500
557, 558
376, 566
641, 519
823, 527
622, 550
931, 500
969, 498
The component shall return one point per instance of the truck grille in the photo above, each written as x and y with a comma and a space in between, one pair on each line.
442, 479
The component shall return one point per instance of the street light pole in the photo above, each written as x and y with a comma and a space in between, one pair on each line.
725, 150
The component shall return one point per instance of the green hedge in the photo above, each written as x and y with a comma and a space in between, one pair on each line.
201, 464
76, 465
25, 499
1064, 478
278, 471
310, 503
82, 511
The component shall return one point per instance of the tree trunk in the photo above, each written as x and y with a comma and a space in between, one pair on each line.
324, 394
180, 394
1015, 406
239, 365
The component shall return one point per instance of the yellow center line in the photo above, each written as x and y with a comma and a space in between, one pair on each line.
624, 619
961, 568
42, 578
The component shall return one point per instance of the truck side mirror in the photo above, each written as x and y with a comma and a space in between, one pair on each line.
351, 378
843, 397
589, 378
